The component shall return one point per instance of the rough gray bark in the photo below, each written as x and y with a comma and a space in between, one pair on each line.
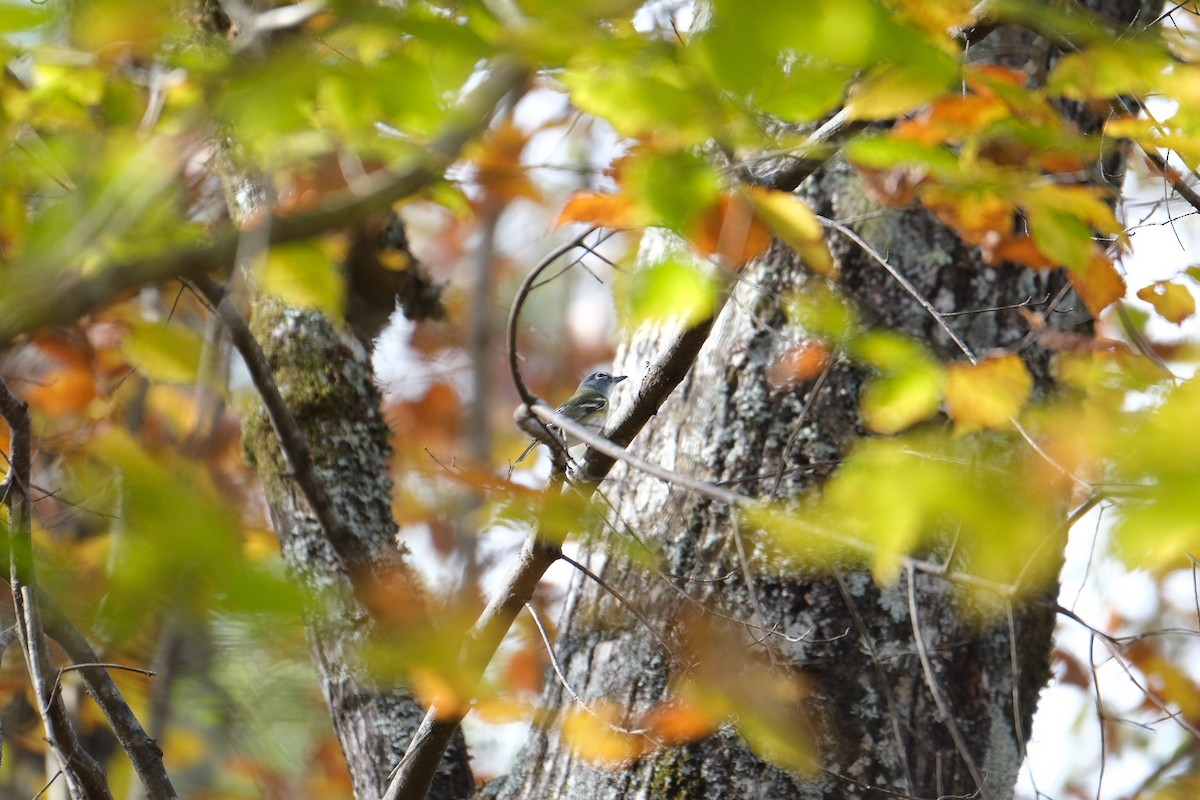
871, 711
331, 391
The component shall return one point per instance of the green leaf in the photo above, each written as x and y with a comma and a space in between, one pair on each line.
909, 390
21, 17
653, 93
749, 42
891, 352
825, 313
267, 101
676, 187
303, 274
163, 352
892, 403
1111, 68
1161, 531
883, 152
670, 289
179, 540
1062, 236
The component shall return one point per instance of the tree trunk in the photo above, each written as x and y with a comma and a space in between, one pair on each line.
331, 391
882, 722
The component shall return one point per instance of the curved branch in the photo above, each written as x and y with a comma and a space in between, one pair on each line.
56, 300
514, 313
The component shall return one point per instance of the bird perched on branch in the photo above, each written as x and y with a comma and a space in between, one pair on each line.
588, 406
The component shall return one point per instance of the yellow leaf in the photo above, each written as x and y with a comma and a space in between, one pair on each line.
595, 735
894, 90
168, 353
795, 224
597, 208
438, 691
1172, 301
1098, 282
303, 275
988, 394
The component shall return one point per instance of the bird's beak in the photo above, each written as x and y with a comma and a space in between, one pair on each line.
619, 378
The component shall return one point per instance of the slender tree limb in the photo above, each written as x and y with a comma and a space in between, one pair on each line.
84, 776
291, 438
518, 305
415, 771
143, 752
816, 150
41, 296
603, 444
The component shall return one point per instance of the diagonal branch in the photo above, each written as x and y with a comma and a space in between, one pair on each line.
45, 298
291, 438
415, 772
84, 776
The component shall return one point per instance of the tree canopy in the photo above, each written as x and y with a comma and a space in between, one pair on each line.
184, 182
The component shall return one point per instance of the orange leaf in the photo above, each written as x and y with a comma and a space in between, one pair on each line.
802, 363
950, 118
498, 160
974, 215
1059, 162
525, 669
988, 394
1019, 249
732, 230
896, 187
1098, 283
606, 210
675, 722
437, 691
595, 735
63, 391
979, 77
1172, 301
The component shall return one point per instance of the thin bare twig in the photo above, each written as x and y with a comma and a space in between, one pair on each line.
940, 319
623, 600
562, 678
1015, 666
1099, 715
885, 687
960, 744
904, 282
99, 664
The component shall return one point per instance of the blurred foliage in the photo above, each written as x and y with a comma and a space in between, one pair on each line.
129, 131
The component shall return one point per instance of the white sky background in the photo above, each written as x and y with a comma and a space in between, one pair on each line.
1066, 740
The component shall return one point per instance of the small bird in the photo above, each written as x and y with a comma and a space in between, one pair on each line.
588, 406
